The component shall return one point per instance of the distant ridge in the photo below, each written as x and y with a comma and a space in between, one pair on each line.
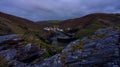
86, 20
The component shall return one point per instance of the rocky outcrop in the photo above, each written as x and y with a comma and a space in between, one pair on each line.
102, 49
61, 38
8, 54
54, 61
7, 37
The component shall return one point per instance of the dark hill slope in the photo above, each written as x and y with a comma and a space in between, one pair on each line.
8, 20
89, 19
10, 24
90, 23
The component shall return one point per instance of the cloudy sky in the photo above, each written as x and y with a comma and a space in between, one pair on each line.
37, 10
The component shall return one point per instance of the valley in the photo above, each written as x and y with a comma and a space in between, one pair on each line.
89, 41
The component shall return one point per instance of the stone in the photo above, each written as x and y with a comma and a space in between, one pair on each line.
8, 54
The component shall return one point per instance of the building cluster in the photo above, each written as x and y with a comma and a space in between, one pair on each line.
54, 28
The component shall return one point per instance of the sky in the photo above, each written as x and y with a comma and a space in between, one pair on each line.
39, 10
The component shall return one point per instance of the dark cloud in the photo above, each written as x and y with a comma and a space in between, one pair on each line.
57, 9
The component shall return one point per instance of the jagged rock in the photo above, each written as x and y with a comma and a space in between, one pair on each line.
15, 63
101, 49
68, 47
1, 47
8, 54
107, 31
54, 61
27, 47
7, 37
96, 52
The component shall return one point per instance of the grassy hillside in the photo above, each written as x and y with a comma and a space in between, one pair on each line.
88, 24
14, 25
85, 25
54, 21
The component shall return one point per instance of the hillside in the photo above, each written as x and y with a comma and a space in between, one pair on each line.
90, 23
83, 26
10, 24
90, 19
49, 23
16, 24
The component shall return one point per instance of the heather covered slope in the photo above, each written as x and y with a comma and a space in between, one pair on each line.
91, 18
88, 24
13, 24
83, 26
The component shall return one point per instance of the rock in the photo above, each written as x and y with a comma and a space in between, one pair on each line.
8, 54
15, 63
99, 51
27, 47
54, 61
7, 37
96, 52
1, 47
68, 47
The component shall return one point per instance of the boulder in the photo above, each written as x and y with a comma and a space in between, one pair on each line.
8, 54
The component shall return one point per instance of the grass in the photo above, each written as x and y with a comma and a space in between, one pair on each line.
98, 36
90, 29
49, 48
54, 21
77, 46
84, 32
3, 63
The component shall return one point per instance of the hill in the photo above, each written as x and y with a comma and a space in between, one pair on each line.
13, 24
91, 18
90, 23
10, 24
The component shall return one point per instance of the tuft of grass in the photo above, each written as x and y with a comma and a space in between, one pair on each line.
3, 63
49, 48
98, 36
78, 46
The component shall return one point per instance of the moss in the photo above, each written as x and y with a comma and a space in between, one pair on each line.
69, 66
78, 46
98, 36
3, 63
49, 48
63, 59
96, 25
31, 35
1, 34
84, 32
90, 29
